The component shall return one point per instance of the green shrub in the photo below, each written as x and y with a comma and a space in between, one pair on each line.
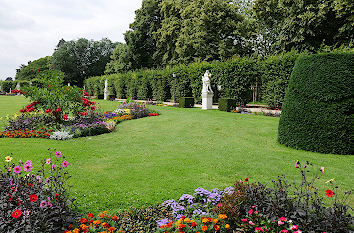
186, 102
317, 113
8, 85
227, 104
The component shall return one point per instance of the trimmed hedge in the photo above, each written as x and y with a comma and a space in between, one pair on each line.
227, 104
235, 77
186, 102
7, 85
317, 113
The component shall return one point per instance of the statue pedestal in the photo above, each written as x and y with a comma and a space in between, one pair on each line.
207, 101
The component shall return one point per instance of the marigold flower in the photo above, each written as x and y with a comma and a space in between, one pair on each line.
90, 215
83, 220
205, 220
105, 225
204, 228
111, 229
193, 224
216, 227
215, 221
222, 216
227, 226
114, 218
76, 230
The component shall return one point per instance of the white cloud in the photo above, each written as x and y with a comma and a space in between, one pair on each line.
31, 29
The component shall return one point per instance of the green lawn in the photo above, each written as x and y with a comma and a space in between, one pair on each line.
153, 159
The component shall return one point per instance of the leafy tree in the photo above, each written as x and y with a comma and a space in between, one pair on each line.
200, 30
306, 24
30, 71
82, 58
120, 60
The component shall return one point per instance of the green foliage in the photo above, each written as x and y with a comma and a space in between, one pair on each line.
227, 104
31, 71
82, 58
317, 111
7, 85
186, 102
275, 77
120, 60
305, 25
188, 31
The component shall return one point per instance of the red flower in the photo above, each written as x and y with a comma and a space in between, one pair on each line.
23, 110
56, 196
246, 180
58, 110
93, 107
33, 197
48, 110
83, 113
90, 215
329, 193
30, 184
65, 117
16, 214
83, 220
193, 224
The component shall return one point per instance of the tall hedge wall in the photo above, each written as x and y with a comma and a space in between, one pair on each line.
7, 85
234, 76
317, 113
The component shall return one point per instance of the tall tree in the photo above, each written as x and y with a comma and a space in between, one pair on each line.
200, 30
120, 60
30, 71
82, 58
306, 24
140, 39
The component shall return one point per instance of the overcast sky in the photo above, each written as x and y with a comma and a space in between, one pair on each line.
31, 29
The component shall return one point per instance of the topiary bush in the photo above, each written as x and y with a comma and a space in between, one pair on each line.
317, 113
186, 102
226, 104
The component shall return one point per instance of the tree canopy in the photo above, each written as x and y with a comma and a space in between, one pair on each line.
30, 71
82, 58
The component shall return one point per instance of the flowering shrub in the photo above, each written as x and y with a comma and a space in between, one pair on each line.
35, 201
302, 202
96, 128
16, 92
29, 122
256, 222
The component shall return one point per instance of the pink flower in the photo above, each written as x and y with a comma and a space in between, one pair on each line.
43, 204
28, 166
297, 164
284, 231
258, 229
58, 154
294, 227
48, 161
17, 169
244, 219
322, 170
280, 223
250, 212
282, 219
251, 223
53, 166
65, 164
298, 231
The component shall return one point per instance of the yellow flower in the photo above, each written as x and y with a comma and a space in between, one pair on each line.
127, 110
215, 221
227, 226
76, 230
330, 181
187, 220
8, 159
222, 216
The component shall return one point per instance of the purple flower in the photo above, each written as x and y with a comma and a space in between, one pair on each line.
162, 222
11, 182
43, 204
58, 154
48, 203
47, 180
17, 169
28, 166
53, 166
48, 161
39, 179
65, 164
322, 170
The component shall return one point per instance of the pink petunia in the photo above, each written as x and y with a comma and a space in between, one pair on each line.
280, 223
17, 169
58, 154
294, 227
43, 204
282, 219
258, 229
251, 223
250, 212
286, 231
244, 219
65, 164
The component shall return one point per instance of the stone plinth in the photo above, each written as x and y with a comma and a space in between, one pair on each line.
207, 101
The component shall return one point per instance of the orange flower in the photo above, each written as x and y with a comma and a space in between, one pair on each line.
204, 228
83, 220
205, 220
114, 218
76, 230
216, 227
222, 216
105, 225
227, 226
90, 215
111, 229
215, 221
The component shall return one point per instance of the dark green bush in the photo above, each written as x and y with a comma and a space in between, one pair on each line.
7, 85
186, 102
227, 104
317, 113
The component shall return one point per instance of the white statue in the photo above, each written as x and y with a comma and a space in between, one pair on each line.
206, 83
207, 92
105, 90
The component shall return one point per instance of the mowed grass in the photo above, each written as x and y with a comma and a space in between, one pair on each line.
149, 160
